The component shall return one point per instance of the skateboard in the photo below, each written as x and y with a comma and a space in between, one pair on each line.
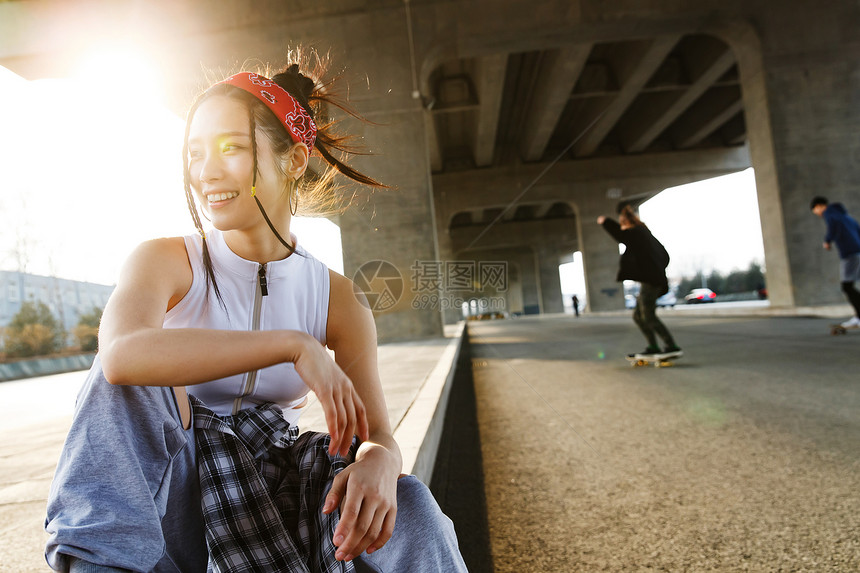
658, 360
836, 329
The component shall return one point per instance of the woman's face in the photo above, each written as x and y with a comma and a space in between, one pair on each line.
221, 164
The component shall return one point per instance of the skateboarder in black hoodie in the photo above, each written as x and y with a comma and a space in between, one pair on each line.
645, 261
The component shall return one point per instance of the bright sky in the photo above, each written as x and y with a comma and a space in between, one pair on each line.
708, 225
88, 171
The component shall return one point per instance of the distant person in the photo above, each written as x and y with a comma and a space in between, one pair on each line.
645, 261
575, 301
843, 230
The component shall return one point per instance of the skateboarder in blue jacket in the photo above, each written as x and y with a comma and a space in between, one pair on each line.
843, 230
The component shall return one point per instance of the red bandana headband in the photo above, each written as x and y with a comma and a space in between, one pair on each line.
285, 107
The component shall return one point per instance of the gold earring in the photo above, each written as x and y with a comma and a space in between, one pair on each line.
294, 191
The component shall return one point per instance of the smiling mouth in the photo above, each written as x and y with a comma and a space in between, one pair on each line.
216, 197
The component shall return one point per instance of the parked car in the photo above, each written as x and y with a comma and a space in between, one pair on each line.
700, 295
669, 299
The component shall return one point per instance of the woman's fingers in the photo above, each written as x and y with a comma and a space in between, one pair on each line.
363, 523
385, 532
336, 493
349, 427
345, 417
338, 426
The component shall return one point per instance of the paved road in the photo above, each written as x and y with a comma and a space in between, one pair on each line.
743, 456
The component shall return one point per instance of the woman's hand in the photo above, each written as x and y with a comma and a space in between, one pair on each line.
345, 414
366, 492
600, 220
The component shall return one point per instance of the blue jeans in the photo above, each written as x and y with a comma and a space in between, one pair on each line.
125, 494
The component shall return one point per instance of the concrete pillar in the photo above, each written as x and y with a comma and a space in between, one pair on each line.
800, 90
510, 294
396, 225
550, 283
599, 257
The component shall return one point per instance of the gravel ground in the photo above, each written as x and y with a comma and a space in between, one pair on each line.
744, 456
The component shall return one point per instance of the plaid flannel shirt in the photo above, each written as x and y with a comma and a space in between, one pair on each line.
262, 489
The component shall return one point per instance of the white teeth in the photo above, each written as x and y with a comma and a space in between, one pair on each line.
221, 196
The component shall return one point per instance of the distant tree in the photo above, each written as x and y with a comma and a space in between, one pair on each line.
689, 283
754, 279
34, 331
717, 282
736, 281
86, 332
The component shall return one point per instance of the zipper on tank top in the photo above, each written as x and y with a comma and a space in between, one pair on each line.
261, 290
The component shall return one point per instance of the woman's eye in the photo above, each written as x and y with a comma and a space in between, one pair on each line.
229, 147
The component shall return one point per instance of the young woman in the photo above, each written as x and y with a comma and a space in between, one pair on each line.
644, 260
240, 315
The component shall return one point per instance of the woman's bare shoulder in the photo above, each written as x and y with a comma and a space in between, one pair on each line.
165, 252
164, 261
349, 313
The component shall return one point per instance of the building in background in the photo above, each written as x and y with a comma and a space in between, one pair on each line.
67, 299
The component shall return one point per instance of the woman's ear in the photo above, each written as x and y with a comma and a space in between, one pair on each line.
296, 160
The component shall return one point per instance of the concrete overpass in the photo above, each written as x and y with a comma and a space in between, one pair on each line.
507, 126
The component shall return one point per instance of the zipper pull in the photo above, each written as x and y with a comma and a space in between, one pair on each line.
264, 289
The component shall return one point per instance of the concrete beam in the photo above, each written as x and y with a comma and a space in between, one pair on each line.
735, 131
490, 79
650, 124
477, 189
558, 74
537, 233
632, 85
709, 114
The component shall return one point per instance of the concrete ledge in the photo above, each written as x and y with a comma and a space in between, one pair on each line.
420, 429
44, 366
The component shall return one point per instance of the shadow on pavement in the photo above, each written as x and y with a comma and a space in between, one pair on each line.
458, 476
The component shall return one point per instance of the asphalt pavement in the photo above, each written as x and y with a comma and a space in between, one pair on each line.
744, 455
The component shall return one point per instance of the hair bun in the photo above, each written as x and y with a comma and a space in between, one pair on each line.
299, 85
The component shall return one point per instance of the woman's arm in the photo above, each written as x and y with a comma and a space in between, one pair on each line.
134, 347
612, 227
367, 490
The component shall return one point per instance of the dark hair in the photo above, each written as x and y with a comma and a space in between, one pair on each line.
319, 195
626, 210
816, 201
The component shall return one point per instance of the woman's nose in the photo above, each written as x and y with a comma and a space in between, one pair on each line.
211, 168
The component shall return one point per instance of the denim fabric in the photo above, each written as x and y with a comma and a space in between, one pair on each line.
423, 541
126, 495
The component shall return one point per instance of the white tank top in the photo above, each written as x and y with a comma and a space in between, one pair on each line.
293, 294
